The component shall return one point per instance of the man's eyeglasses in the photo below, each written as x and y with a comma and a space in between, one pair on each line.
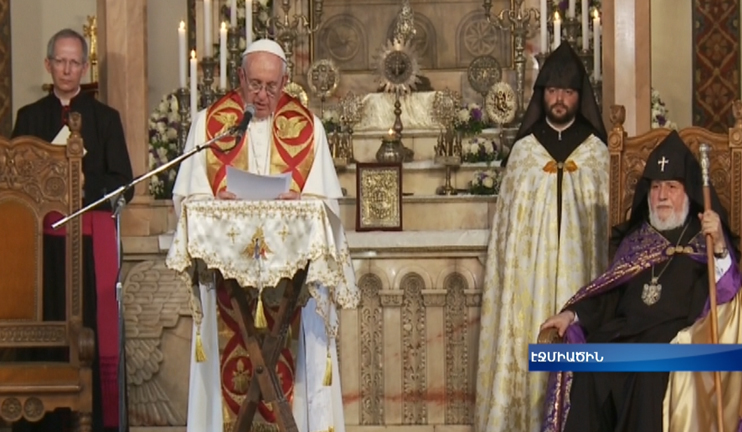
255, 87
63, 63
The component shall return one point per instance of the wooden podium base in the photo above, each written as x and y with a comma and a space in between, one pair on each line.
264, 349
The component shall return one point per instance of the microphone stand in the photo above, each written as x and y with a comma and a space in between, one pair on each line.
117, 200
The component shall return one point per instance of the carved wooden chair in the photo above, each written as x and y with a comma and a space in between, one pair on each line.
629, 154
37, 178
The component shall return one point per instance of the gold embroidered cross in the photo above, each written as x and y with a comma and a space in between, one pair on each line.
232, 234
284, 233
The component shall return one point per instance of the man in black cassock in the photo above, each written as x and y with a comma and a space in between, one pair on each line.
657, 286
548, 237
106, 166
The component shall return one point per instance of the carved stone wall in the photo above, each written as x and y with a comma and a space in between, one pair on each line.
449, 35
407, 354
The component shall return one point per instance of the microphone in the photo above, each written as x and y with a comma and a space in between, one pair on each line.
241, 128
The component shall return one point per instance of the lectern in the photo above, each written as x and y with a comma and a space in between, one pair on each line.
266, 250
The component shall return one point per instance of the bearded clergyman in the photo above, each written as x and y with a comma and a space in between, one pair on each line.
656, 291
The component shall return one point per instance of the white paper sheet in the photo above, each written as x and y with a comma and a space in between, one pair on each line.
253, 187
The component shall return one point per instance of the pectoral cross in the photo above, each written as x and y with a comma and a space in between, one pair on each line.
662, 162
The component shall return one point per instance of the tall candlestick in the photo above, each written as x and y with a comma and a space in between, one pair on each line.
248, 22
182, 56
585, 26
232, 14
557, 31
207, 28
223, 56
571, 9
544, 14
596, 46
194, 86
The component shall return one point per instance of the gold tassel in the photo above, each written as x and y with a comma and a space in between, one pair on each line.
327, 379
200, 353
260, 321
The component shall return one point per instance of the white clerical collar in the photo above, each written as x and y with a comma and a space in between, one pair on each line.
560, 128
67, 101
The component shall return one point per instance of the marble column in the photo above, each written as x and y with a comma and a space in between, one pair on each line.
627, 62
122, 41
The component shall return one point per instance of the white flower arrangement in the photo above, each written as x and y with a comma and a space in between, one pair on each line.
470, 120
659, 113
479, 149
164, 124
485, 182
331, 120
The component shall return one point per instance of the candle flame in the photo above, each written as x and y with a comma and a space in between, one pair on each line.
556, 16
596, 14
193, 54
391, 132
182, 25
224, 26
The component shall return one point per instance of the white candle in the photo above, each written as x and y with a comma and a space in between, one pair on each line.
207, 28
544, 41
232, 14
596, 46
557, 31
585, 26
223, 56
571, 9
194, 86
248, 22
182, 56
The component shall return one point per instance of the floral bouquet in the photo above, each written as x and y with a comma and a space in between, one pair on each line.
479, 150
485, 183
164, 124
470, 120
659, 113
331, 121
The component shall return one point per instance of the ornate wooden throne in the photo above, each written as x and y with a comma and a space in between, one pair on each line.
37, 178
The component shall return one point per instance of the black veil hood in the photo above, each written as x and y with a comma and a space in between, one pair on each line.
563, 68
672, 160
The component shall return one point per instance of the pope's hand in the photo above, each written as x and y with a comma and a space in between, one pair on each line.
560, 322
290, 195
225, 195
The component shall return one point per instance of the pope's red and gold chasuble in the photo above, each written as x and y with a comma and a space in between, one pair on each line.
291, 150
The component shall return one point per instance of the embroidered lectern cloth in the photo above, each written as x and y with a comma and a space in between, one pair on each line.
258, 243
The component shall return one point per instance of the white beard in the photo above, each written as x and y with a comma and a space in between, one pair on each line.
675, 220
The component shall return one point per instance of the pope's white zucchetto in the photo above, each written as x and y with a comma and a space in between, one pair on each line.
265, 45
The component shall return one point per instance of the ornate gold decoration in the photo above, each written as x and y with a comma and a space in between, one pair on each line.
290, 128
155, 299
414, 363
91, 32
341, 140
33, 409
323, 77
11, 410
405, 29
448, 149
379, 197
522, 23
483, 72
297, 91
257, 249
289, 29
398, 68
500, 103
